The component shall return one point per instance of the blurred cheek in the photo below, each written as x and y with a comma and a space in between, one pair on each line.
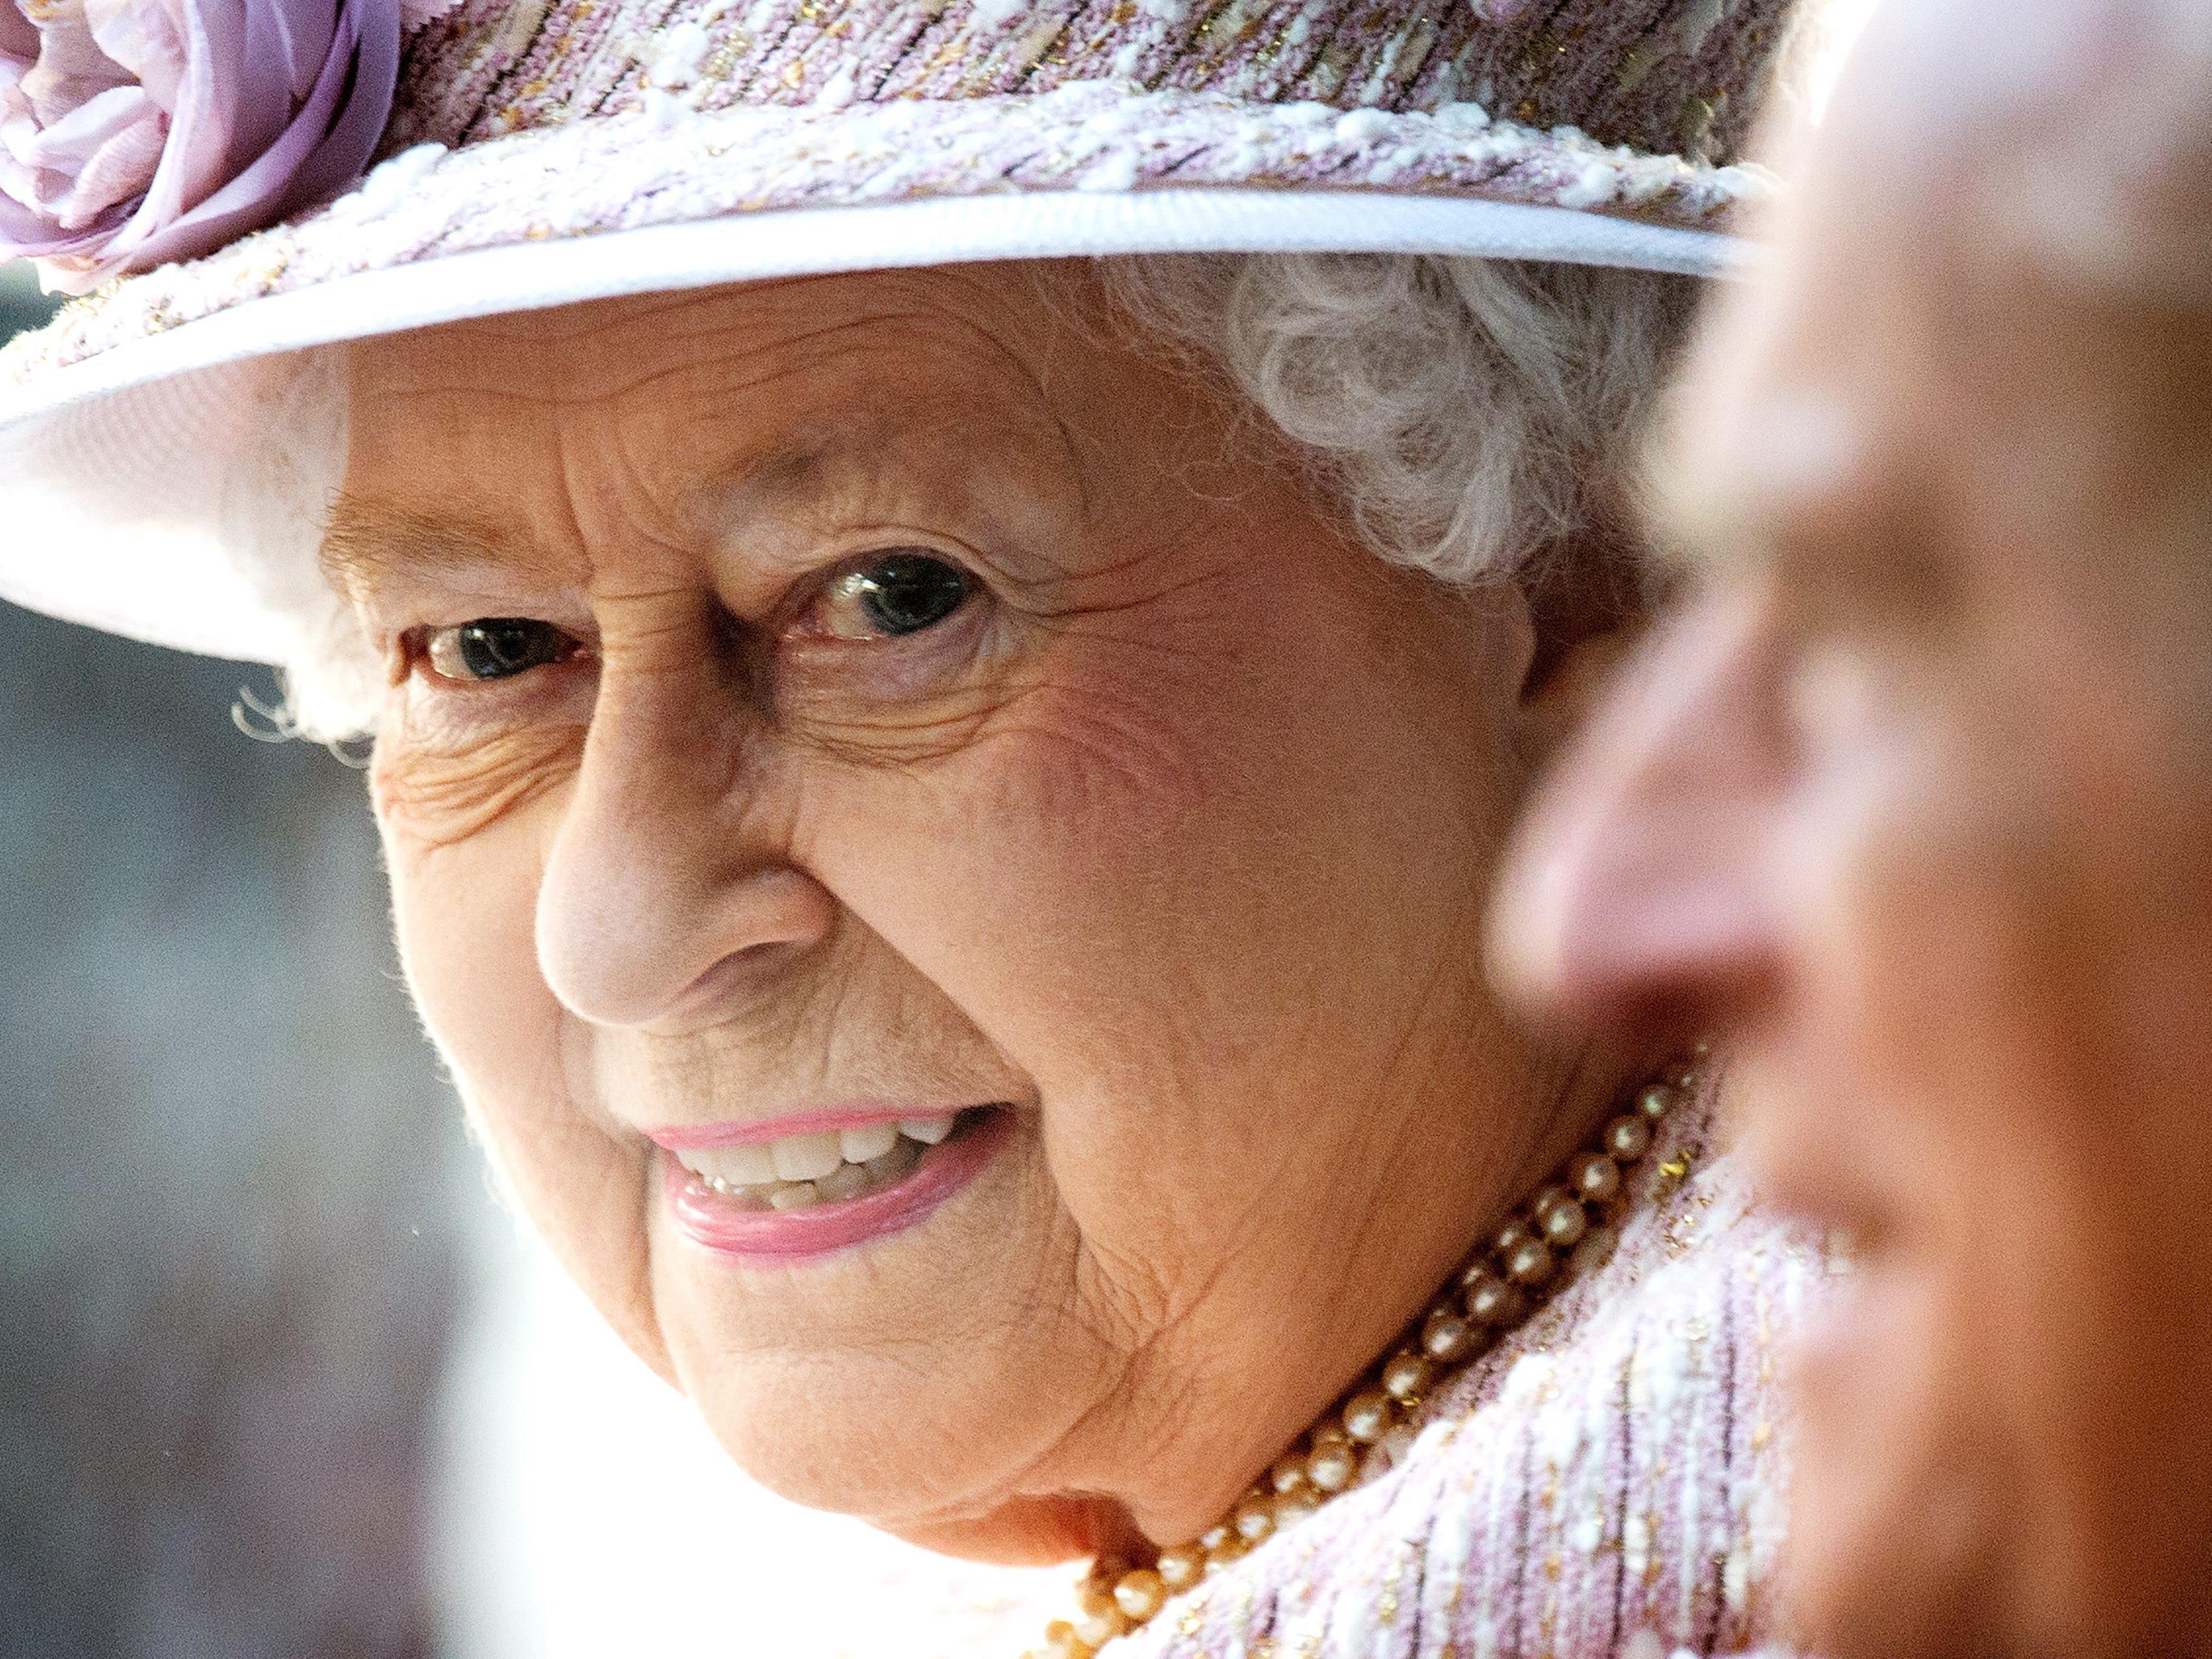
1915, 1087
1863, 885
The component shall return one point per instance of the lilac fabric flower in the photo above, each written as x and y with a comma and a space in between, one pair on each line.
133, 132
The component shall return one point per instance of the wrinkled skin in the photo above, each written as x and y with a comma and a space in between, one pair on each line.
1914, 804
1174, 836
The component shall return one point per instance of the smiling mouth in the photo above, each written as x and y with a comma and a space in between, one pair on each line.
825, 1189
823, 1166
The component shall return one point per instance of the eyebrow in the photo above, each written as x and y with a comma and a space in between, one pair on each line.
365, 538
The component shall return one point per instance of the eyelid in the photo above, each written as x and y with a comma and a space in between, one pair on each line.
810, 593
406, 606
418, 644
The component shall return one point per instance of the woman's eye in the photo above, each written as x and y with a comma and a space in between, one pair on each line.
496, 648
895, 595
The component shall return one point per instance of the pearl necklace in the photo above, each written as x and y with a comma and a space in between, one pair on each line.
1501, 1283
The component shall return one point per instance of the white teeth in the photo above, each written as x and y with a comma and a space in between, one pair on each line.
830, 1167
870, 1140
805, 1157
741, 1166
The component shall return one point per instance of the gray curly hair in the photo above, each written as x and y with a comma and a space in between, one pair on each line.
1475, 419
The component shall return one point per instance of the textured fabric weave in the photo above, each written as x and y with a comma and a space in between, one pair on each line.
595, 177
1665, 77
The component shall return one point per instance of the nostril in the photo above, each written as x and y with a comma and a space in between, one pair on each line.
1662, 957
740, 973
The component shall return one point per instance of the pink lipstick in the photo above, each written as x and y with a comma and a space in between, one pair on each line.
734, 1205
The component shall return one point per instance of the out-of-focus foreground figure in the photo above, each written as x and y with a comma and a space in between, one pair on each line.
1915, 804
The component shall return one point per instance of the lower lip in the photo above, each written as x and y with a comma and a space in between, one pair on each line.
709, 1220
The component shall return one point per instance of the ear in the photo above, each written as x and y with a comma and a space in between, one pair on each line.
1588, 604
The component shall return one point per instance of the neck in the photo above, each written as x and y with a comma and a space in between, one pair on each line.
1568, 1230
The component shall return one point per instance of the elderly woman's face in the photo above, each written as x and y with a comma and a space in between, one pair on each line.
1916, 807
823, 707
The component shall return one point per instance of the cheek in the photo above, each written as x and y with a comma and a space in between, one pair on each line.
1918, 950
1156, 802
464, 913
1938, 1023
465, 828
1192, 873
432, 793
1053, 876
464, 835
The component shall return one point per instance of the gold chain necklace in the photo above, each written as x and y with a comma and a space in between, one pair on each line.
1502, 1282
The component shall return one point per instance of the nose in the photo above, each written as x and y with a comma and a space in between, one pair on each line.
1636, 897
669, 884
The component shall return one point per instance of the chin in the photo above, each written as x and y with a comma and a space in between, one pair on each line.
847, 1444
1898, 1518
847, 1455
1028, 1531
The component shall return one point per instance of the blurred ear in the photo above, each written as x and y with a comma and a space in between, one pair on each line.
1589, 603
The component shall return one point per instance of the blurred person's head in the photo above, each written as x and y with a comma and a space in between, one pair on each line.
1913, 802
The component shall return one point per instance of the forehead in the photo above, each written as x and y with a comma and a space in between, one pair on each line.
1893, 363
512, 431
1785, 410
1895, 335
974, 319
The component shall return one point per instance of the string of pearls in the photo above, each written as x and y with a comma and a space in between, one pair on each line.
1568, 1226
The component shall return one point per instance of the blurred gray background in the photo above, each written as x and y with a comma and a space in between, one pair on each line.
233, 1197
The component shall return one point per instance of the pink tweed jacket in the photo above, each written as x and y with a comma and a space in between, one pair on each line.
1607, 1481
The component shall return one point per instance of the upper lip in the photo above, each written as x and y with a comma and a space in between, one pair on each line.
688, 1137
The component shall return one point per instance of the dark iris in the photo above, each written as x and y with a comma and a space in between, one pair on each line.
906, 592
499, 647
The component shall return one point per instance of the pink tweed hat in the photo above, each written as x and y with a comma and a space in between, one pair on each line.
319, 171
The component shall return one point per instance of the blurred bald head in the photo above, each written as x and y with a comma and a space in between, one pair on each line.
1911, 805
1992, 297
2070, 138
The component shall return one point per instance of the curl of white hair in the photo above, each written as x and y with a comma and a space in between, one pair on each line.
1476, 419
